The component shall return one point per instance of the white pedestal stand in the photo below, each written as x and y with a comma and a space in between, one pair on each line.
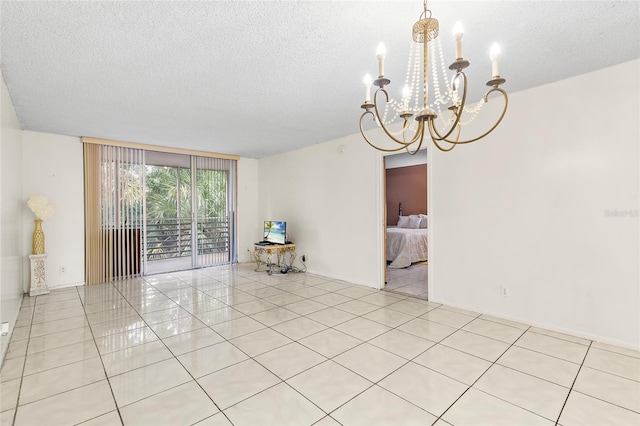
38, 274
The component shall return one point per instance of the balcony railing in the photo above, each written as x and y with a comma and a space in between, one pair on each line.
171, 238
213, 235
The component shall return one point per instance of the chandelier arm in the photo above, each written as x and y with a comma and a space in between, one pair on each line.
504, 110
449, 131
371, 143
405, 125
458, 114
441, 148
435, 141
419, 144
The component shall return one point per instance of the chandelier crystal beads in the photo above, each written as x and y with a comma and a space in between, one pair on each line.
450, 97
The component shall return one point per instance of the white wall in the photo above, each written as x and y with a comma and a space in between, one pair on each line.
405, 159
53, 167
526, 208
331, 199
10, 215
249, 228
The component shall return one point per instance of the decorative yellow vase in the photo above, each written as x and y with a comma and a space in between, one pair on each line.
38, 238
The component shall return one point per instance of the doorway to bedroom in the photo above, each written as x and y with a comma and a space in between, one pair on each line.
406, 230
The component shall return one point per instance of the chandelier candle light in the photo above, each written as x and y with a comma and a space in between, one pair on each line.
413, 131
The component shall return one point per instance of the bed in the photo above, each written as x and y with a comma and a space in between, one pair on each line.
406, 245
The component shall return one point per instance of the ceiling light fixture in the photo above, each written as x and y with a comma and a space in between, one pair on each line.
413, 131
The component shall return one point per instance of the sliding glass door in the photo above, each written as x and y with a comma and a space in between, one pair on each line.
213, 198
149, 212
188, 212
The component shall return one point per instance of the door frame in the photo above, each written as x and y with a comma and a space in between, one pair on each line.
382, 218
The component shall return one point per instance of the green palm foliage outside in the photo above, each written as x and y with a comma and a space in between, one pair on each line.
168, 205
212, 211
167, 193
121, 194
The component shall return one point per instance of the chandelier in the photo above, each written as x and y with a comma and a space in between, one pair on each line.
444, 128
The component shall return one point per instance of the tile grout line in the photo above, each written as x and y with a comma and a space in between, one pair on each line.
298, 341
24, 364
360, 316
283, 381
48, 369
573, 384
479, 377
176, 358
376, 383
115, 402
249, 357
272, 284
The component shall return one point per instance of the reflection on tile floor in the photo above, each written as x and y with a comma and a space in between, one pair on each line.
229, 346
411, 281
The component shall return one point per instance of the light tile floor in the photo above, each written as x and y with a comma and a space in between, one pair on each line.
411, 280
228, 345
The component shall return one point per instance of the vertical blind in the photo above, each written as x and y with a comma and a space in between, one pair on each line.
114, 198
213, 202
116, 229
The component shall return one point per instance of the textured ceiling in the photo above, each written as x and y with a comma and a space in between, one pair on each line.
257, 78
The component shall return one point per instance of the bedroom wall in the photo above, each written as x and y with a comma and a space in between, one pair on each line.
547, 207
10, 215
406, 185
330, 195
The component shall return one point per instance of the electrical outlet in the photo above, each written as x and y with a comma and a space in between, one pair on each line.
63, 269
504, 292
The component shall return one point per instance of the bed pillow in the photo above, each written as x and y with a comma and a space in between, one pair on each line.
414, 222
423, 221
403, 222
